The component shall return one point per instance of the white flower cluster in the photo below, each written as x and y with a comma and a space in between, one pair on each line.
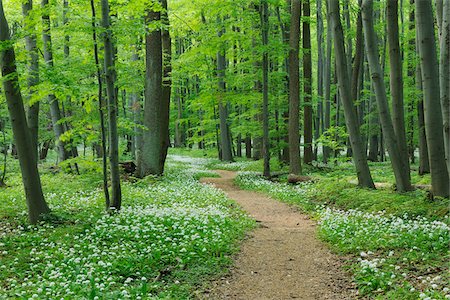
164, 226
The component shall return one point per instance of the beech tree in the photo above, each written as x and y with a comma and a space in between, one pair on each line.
294, 90
359, 155
155, 138
37, 207
431, 93
399, 163
110, 78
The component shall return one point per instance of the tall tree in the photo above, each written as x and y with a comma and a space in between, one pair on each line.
444, 69
155, 136
33, 75
327, 86
101, 107
36, 204
265, 65
295, 166
358, 149
225, 137
320, 76
110, 78
307, 83
167, 71
396, 80
399, 163
431, 92
55, 110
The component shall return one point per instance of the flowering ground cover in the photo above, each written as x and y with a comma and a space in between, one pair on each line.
172, 235
395, 253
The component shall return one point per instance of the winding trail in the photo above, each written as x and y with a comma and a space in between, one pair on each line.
282, 258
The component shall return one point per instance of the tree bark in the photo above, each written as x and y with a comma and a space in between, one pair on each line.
444, 69
225, 139
433, 110
27, 159
110, 78
401, 170
320, 77
396, 81
327, 86
359, 156
167, 73
265, 68
101, 107
295, 166
307, 84
155, 136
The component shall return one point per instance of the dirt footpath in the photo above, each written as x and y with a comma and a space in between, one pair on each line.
282, 259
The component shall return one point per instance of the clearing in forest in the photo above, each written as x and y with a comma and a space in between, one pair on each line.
282, 259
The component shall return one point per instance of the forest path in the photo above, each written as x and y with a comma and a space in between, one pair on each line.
282, 258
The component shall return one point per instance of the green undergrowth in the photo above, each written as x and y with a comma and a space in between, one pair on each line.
397, 243
172, 235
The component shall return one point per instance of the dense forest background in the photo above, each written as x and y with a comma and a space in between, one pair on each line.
368, 78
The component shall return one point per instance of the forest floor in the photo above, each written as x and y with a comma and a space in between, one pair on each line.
282, 258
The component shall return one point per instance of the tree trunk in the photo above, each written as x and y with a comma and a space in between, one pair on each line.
295, 166
307, 84
32, 78
320, 77
101, 108
396, 81
167, 75
431, 92
445, 77
265, 68
401, 170
223, 109
359, 156
327, 87
27, 158
248, 146
155, 136
110, 77
54, 104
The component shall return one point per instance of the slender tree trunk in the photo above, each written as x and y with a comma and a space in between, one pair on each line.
327, 87
223, 107
285, 35
137, 116
401, 170
101, 107
307, 84
431, 91
33, 76
54, 104
248, 146
320, 76
265, 64
110, 77
444, 69
295, 166
359, 156
27, 158
167, 73
396, 80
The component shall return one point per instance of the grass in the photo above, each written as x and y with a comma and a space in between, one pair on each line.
172, 235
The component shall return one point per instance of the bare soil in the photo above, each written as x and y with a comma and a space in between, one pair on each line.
282, 258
